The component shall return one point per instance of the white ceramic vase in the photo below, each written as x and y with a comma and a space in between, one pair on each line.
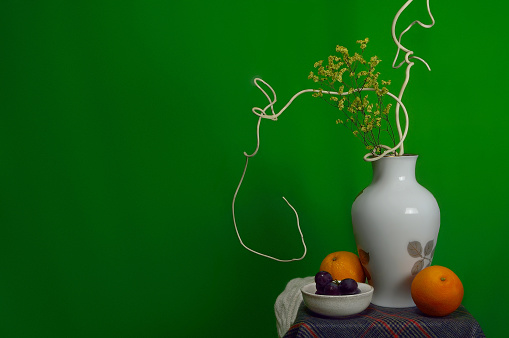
395, 223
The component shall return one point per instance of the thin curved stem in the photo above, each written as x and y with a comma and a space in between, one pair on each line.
237, 230
262, 113
407, 58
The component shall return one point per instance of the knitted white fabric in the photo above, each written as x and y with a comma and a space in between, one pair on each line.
288, 302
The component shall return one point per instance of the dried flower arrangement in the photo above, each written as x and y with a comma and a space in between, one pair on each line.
347, 84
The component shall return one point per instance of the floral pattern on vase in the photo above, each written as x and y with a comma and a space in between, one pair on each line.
364, 258
415, 250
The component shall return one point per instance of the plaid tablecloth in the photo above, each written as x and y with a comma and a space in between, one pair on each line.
378, 322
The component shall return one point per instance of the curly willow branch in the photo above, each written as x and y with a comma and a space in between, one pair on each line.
262, 114
406, 60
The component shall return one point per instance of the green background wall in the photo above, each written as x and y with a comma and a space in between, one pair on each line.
122, 132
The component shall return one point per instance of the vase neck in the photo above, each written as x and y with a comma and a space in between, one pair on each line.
395, 168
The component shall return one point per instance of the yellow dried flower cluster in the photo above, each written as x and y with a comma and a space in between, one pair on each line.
349, 77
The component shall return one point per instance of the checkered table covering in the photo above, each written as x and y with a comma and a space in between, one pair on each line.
377, 321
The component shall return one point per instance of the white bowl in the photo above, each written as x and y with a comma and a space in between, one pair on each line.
337, 306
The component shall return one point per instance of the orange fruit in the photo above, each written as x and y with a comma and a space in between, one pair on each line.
343, 264
437, 291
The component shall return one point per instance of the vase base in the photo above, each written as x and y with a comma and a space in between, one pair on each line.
392, 303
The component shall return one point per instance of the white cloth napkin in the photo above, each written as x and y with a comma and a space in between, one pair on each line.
288, 302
